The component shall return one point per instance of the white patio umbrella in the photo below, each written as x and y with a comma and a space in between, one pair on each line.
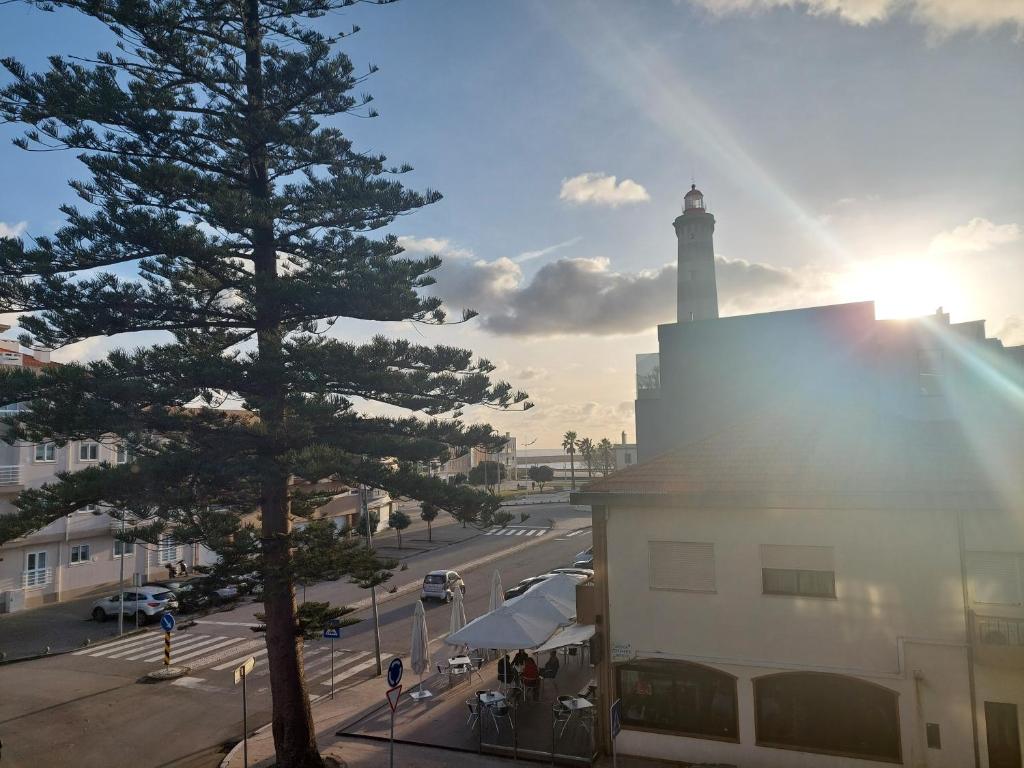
504, 629
419, 653
458, 620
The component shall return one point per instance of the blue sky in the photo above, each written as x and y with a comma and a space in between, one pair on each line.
849, 149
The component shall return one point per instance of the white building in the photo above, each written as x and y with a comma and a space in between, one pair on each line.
819, 560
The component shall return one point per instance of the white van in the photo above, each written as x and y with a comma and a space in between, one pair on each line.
438, 585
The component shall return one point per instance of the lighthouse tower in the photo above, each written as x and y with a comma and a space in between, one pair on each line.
697, 296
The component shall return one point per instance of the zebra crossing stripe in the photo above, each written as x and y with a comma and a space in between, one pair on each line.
225, 652
324, 663
145, 649
239, 660
541, 532
178, 645
115, 646
352, 671
192, 652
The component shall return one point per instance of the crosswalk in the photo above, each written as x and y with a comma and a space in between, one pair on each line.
212, 657
515, 531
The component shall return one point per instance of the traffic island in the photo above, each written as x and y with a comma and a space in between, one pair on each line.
167, 673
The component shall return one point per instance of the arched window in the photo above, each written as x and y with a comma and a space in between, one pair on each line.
829, 714
678, 697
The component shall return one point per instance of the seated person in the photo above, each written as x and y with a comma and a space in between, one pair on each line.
520, 658
506, 672
531, 676
551, 665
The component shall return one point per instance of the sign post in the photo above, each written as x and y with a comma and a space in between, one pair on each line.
393, 694
615, 716
241, 671
334, 633
167, 625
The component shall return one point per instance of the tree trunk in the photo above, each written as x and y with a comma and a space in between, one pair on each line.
572, 471
430, 534
294, 735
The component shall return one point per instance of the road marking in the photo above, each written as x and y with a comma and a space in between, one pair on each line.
224, 653
249, 624
355, 670
156, 641
239, 660
197, 683
218, 642
116, 645
576, 533
520, 533
541, 532
148, 655
324, 663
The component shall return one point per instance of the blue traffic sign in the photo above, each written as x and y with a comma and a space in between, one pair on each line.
332, 632
167, 622
616, 714
395, 672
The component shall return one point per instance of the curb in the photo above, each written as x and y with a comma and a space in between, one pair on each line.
72, 650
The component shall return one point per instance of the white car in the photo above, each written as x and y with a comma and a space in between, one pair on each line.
438, 585
575, 571
147, 602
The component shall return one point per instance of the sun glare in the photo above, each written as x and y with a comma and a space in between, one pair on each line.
901, 287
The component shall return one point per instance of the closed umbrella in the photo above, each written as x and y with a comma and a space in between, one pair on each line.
419, 653
497, 593
458, 620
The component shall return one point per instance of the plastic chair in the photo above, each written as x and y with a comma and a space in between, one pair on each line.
473, 705
560, 714
548, 675
501, 710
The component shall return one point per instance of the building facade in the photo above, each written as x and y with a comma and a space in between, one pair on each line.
819, 560
463, 463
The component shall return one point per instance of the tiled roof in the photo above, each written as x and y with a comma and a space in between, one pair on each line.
821, 456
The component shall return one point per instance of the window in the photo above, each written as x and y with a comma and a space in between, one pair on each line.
80, 554
123, 548
789, 569
678, 697
828, 714
995, 577
46, 452
682, 565
88, 452
125, 454
933, 735
929, 372
167, 551
629, 458
36, 573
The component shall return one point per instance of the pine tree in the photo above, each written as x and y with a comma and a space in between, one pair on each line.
224, 207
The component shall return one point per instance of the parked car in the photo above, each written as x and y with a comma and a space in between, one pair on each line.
585, 554
584, 559
575, 571
524, 585
148, 602
438, 585
201, 592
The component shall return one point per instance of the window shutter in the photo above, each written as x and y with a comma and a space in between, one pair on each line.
683, 565
797, 557
995, 577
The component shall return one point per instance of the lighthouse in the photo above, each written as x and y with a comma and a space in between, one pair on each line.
697, 293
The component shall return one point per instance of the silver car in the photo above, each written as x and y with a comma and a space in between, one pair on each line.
147, 602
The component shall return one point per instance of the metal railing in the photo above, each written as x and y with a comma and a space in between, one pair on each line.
993, 630
10, 474
37, 577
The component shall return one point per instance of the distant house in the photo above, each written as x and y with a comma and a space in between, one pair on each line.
819, 560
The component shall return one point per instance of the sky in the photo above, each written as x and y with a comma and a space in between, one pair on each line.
849, 149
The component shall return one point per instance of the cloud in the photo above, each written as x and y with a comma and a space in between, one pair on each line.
601, 189
530, 255
975, 236
943, 17
13, 230
530, 373
1012, 332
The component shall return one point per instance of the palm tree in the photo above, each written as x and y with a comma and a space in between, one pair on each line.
587, 448
569, 446
606, 455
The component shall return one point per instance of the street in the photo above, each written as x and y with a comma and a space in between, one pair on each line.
88, 707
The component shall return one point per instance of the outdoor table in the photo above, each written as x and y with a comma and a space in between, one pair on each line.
491, 698
460, 661
576, 705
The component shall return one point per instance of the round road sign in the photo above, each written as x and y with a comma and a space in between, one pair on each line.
395, 672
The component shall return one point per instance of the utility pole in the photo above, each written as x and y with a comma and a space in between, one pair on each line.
120, 612
373, 587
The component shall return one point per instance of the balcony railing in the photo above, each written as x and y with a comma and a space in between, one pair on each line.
37, 577
10, 474
999, 641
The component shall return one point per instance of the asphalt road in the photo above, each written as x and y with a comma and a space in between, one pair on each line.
89, 709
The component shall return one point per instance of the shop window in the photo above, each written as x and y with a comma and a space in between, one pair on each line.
827, 714
678, 697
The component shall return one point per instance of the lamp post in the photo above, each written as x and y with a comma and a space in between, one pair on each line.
120, 583
373, 587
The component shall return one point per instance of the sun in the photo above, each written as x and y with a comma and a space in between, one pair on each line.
901, 287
